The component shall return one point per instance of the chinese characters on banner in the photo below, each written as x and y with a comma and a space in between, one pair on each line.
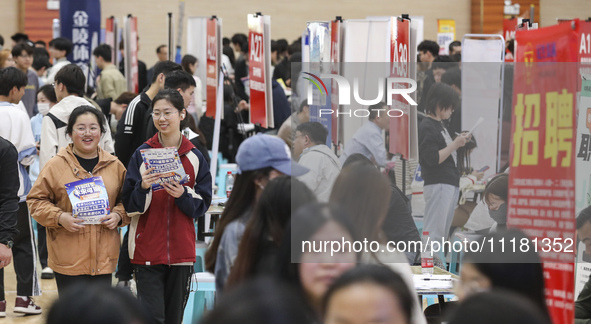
320, 55
542, 176
212, 65
446, 33
259, 51
335, 60
131, 66
80, 21
399, 68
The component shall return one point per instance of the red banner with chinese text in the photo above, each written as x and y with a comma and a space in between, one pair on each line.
399, 68
256, 69
542, 156
212, 66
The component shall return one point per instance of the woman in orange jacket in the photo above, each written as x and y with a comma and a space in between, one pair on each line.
80, 253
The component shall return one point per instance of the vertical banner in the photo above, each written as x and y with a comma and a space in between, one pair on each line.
335, 68
585, 50
399, 58
320, 50
509, 28
131, 66
196, 37
542, 155
446, 33
583, 184
80, 21
583, 181
213, 62
259, 54
111, 38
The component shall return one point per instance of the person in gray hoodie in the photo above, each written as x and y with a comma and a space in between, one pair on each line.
312, 152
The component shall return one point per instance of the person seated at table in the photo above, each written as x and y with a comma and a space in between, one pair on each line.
260, 159
498, 306
518, 272
490, 214
258, 248
364, 192
311, 273
368, 294
261, 301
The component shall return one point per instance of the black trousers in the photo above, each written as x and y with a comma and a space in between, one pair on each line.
124, 266
64, 281
23, 256
164, 290
42, 245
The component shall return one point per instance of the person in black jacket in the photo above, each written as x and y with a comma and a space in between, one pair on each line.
131, 129
438, 159
8, 199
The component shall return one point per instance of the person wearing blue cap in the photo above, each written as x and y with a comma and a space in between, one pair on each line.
260, 159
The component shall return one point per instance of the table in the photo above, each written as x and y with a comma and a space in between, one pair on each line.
212, 215
440, 292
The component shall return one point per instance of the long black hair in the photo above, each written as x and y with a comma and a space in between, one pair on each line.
464, 156
279, 199
242, 199
519, 272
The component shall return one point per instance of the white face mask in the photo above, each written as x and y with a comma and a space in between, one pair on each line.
43, 107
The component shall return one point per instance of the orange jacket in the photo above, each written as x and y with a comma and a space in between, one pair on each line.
95, 249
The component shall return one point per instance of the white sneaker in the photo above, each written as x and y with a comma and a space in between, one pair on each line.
47, 273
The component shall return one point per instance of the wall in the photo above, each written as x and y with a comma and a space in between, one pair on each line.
289, 19
9, 19
552, 9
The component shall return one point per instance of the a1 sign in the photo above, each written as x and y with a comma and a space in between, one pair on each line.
585, 47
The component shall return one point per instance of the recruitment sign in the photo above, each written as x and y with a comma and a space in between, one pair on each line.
542, 155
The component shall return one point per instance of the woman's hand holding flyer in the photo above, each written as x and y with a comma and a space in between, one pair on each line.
149, 179
174, 189
111, 221
70, 223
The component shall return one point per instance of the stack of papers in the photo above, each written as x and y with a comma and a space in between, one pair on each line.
432, 282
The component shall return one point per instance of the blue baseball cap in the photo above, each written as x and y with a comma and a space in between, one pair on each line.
261, 151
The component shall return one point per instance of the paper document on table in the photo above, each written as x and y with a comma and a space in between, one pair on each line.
478, 122
432, 281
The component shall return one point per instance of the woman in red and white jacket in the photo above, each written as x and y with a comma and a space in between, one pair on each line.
162, 231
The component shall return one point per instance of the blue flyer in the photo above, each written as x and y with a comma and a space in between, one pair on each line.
167, 162
89, 199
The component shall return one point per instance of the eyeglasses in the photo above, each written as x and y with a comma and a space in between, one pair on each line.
167, 115
27, 56
81, 131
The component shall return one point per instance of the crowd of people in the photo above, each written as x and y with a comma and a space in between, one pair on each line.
290, 188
